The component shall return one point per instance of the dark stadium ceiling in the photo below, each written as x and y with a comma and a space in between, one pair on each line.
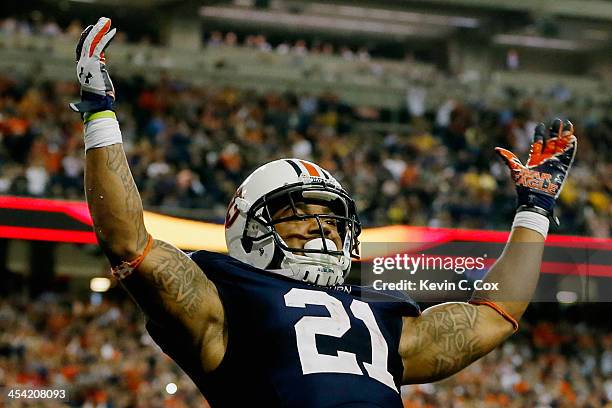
376, 19
549, 24
597, 9
553, 24
129, 3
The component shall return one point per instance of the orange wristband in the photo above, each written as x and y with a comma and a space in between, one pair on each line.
125, 268
498, 309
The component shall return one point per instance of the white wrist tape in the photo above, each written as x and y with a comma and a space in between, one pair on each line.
100, 132
533, 221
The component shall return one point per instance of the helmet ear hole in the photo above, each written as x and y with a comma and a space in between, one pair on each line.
253, 232
254, 228
247, 244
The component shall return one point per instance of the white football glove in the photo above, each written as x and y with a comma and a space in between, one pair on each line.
97, 91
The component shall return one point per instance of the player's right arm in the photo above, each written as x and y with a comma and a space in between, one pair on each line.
170, 288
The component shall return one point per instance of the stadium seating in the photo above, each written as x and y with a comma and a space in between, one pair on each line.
190, 146
99, 353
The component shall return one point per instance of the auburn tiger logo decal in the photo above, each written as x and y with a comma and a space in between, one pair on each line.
232, 210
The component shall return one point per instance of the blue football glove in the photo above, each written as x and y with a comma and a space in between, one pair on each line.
539, 183
97, 91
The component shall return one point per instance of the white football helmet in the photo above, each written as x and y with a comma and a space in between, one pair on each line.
250, 231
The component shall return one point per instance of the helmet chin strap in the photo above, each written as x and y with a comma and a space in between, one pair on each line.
316, 268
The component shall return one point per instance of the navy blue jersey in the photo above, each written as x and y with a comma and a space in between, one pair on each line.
292, 344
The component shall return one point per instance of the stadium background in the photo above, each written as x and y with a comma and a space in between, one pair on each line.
403, 101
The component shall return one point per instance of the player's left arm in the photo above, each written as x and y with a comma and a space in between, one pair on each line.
448, 337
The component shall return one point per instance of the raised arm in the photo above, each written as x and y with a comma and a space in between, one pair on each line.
450, 336
169, 287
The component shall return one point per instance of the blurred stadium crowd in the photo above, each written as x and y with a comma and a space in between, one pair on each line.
38, 25
22, 27
100, 353
299, 47
189, 147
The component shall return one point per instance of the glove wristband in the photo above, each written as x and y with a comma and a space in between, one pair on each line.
101, 129
533, 220
92, 102
539, 210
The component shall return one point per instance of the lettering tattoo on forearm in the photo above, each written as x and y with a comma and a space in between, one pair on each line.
179, 279
451, 328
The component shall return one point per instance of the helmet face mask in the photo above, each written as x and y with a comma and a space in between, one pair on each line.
277, 197
343, 214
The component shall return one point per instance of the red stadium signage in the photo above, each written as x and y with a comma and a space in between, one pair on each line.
70, 222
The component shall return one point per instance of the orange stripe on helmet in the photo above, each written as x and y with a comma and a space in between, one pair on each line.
312, 170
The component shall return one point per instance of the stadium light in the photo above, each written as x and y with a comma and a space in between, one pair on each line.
309, 21
567, 296
393, 15
171, 388
532, 41
99, 284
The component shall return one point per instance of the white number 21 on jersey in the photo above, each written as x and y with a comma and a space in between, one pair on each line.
336, 325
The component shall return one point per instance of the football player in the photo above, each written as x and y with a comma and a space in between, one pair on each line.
271, 324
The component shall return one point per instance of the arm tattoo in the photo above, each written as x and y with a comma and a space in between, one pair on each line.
450, 329
169, 286
116, 162
179, 280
